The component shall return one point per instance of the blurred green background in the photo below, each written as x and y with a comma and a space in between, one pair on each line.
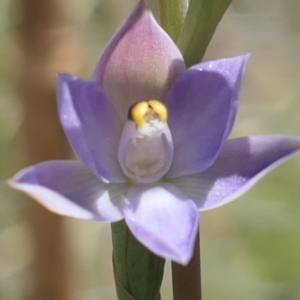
250, 248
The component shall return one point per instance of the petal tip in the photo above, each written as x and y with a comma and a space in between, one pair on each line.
183, 260
245, 56
10, 183
243, 171
19, 177
65, 77
143, 4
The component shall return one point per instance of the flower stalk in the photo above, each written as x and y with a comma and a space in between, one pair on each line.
172, 15
138, 272
202, 19
187, 279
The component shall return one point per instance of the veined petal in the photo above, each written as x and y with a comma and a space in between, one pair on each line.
69, 188
202, 107
91, 125
141, 62
233, 70
163, 219
242, 162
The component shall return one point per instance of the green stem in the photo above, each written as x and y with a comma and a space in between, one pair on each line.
202, 19
138, 272
172, 15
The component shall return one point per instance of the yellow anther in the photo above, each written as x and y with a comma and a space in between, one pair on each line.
141, 111
137, 113
160, 109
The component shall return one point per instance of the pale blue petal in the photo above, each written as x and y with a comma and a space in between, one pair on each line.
242, 162
91, 125
68, 188
202, 107
163, 219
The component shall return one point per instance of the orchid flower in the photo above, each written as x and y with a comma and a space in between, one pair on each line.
151, 138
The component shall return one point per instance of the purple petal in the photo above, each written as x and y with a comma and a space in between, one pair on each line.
69, 188
91, 126
163, 219
141, 62
233, 70
202, 106
242, 162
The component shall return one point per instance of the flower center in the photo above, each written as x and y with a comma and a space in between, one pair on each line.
145, 111
146, 146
